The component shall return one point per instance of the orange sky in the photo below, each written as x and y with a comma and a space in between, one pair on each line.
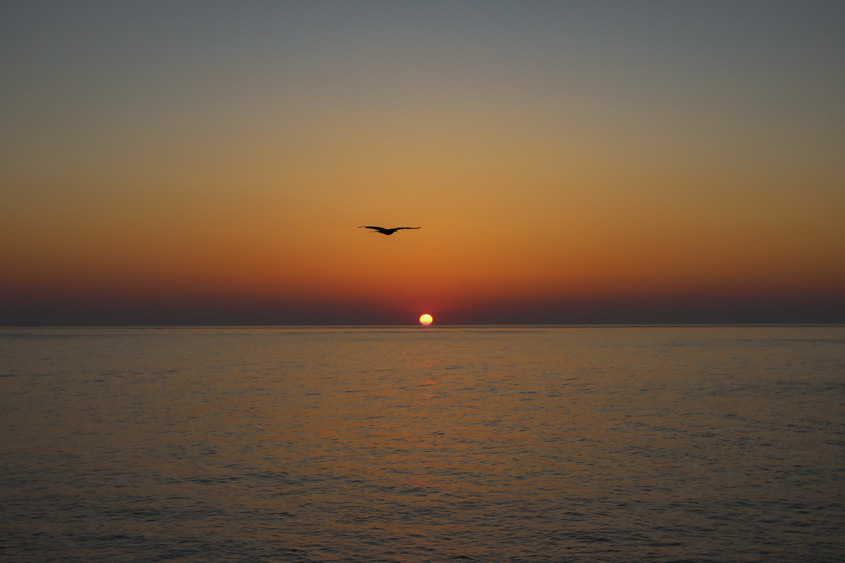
161, 167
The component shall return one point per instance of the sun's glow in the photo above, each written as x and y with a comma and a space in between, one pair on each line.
426, 319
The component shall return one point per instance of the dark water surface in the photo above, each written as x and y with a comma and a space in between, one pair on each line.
440, 444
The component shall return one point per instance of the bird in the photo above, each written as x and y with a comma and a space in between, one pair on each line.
384, 231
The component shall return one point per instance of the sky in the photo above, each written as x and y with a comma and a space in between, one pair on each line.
184, 163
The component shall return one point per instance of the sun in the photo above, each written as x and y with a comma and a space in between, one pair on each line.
426, 319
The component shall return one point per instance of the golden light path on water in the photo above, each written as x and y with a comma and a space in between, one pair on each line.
305, 444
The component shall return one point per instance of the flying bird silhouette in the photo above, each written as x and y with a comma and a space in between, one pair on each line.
384, 231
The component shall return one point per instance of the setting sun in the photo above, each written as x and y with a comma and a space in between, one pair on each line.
426, 319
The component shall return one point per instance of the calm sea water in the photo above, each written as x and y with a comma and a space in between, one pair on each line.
439, 444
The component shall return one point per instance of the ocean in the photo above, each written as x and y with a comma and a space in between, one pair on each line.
389, 444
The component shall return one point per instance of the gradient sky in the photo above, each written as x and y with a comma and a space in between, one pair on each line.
569, 162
